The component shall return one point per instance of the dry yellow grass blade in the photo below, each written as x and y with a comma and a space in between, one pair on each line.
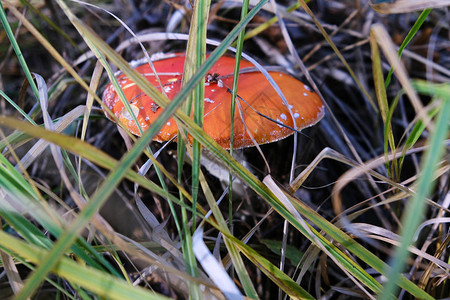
10, 268
406, 6
386, 44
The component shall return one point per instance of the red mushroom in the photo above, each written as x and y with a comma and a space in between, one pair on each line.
265, 115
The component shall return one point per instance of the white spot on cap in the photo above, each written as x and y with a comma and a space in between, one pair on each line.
220, 83
209, 100
137, 62
161, 55
128, 85
167, 89
307, 88
283, 117
279, 121
296, 115
127, 115
305, 94
290, 106
168, 123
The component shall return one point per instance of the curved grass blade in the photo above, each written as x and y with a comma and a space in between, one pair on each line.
214, 269
408, 38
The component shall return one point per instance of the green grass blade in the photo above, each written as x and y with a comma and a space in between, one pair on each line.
408, 38
234, 254
16, 48
239, 46
199, 93
16, 107
414, 136
195, 56
425, 183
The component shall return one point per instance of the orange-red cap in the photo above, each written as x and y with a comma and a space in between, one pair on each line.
265, 115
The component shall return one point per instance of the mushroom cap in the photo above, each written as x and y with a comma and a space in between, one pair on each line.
261, 105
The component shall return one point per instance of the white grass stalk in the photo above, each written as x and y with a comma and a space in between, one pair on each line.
213, 268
